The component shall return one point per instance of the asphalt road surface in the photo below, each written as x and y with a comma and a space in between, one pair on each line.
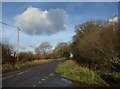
42, 75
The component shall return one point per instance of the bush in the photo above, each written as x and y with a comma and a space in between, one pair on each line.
95, 46
26, 56
7, 50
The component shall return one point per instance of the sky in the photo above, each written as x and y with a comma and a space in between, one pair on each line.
52, 22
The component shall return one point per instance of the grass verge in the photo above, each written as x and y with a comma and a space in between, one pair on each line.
71, 70
113, 79
12, 67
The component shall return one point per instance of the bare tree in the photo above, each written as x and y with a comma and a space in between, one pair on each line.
43, 48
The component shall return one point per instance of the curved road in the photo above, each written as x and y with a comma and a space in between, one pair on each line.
42, 75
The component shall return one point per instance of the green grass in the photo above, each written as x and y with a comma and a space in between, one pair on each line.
11, 67
71, 70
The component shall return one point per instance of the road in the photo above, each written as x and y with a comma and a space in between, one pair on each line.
42, 75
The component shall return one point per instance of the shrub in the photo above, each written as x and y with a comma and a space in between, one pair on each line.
95, 45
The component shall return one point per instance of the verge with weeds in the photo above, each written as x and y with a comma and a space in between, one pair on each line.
12, 67
71, 70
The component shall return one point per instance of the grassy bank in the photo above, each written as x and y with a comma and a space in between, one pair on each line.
113, 79
71, 70
12, 67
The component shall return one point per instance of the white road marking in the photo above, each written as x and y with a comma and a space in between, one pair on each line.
43, 79
10, 76
46, 77
20, 73
16, 74
7, 77
34, 85
27, 71
39, 82
51, 73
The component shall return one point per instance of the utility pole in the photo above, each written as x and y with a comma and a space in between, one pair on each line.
18, 29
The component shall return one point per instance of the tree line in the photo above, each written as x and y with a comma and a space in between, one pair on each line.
42, 51
96, 45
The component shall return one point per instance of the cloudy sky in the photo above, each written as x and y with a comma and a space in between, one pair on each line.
49, 21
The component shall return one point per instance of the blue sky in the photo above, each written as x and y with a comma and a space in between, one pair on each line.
75, 13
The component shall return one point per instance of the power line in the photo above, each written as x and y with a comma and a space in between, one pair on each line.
11, 35
15, 27
19, 30
25, 32
8, 25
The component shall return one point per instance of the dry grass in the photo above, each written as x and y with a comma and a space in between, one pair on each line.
71, 70
11, 67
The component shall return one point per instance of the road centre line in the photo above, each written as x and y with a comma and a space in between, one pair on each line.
7, 77
20, 73
27, 71
43, 79
46, 77
34, 85
15, 74
39, 82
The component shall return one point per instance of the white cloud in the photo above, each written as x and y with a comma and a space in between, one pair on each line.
36, 21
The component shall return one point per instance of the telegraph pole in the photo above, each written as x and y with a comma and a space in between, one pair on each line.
18, 29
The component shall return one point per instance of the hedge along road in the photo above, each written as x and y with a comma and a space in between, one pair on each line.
42, 75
